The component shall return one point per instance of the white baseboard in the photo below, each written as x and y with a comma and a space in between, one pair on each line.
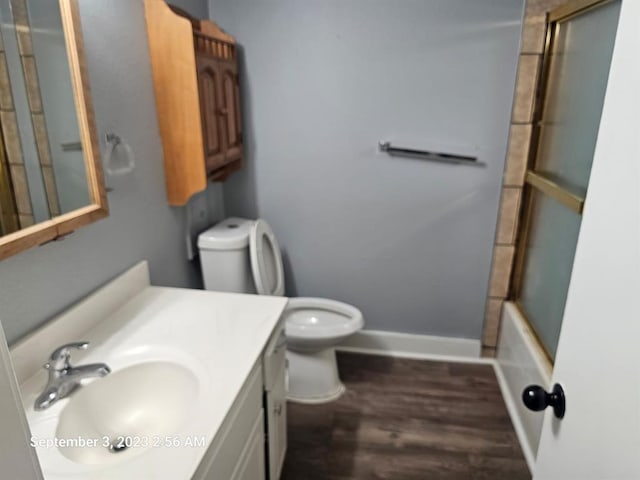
407, 345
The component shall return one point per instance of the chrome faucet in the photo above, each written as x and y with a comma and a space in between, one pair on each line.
65, 379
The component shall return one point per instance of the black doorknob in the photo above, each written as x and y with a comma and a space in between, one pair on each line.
537, 399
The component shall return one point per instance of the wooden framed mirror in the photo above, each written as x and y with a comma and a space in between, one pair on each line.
51, 180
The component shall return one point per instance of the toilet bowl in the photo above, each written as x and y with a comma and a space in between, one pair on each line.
313, 326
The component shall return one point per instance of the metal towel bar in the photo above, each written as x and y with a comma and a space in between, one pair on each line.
386, 147
72, 147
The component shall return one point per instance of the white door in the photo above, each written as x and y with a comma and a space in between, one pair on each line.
17, 458
598, 357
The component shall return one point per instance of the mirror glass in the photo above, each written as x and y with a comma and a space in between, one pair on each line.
42, 166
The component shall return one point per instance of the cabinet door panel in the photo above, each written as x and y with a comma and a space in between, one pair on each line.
251, 465
231, 108
228, 86
211, 106
210, 102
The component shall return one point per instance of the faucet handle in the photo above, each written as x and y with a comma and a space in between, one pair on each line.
59, 359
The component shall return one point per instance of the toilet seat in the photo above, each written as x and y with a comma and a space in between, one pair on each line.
318, 318
266, 261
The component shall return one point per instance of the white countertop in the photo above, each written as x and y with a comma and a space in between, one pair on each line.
219, 336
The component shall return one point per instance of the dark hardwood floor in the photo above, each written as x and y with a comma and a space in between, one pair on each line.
406, 420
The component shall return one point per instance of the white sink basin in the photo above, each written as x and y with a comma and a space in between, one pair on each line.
178, 357
134, 408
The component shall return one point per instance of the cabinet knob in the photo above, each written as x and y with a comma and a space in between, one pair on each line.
537, 399
278, 409
222, 112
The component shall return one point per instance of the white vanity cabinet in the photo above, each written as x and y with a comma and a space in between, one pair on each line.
231, 346
252, 441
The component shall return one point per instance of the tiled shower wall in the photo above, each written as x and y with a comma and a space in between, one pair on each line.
8, 119
14, 158
531, 49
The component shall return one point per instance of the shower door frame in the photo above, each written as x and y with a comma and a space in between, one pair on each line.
535, 181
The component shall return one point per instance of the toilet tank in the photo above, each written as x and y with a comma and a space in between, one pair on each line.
224, 256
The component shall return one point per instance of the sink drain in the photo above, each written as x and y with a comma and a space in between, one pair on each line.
118, 445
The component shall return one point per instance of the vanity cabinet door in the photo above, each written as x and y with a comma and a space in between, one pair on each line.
232, 450
251, 465
277, 424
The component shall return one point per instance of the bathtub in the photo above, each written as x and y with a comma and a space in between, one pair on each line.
521, 362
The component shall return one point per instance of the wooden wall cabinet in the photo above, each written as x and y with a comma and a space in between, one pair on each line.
195, 75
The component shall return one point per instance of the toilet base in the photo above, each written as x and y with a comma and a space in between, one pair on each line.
313, 377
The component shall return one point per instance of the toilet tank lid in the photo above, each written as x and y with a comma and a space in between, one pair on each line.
230, 234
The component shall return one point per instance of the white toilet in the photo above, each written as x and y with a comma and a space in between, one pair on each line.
243, 256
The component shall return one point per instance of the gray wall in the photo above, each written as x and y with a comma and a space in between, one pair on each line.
196, 8
37, 284
407, 241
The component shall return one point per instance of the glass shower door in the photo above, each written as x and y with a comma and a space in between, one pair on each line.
580, 43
